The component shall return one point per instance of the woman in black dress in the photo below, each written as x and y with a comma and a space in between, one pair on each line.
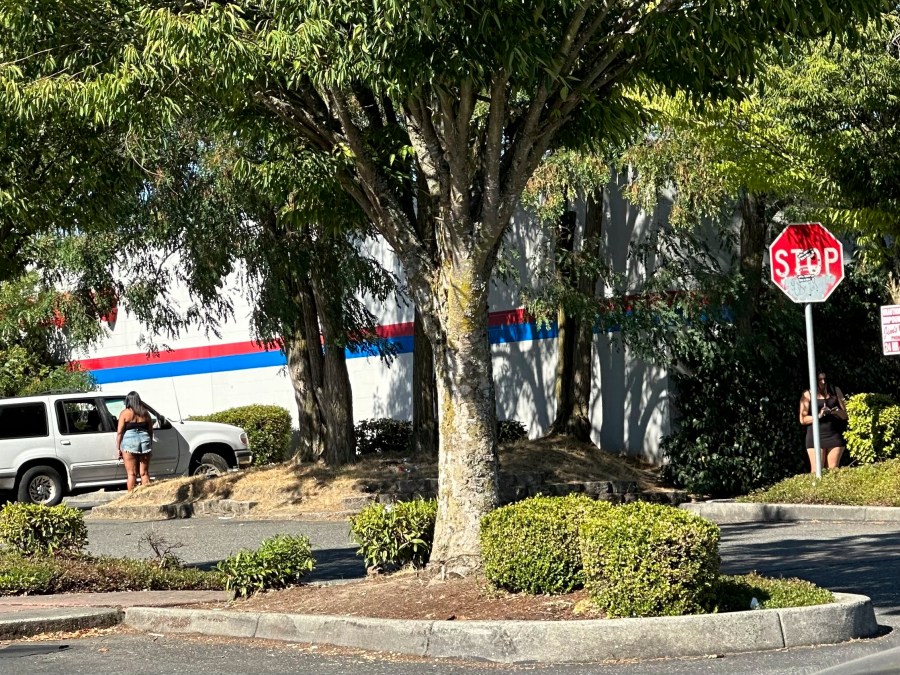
832, 412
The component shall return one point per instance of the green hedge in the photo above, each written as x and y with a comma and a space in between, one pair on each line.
383, 434
532, 546
279, 562
873, 428
395, 534
650, 560
87, 574
35, 529
268, 427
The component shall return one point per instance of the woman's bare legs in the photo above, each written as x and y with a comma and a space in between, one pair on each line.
144, 461
131, 468
834, 457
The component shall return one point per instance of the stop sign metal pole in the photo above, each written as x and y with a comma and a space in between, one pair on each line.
813, 398
807, 263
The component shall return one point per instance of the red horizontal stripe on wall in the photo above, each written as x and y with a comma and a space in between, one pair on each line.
185, 354
393, 330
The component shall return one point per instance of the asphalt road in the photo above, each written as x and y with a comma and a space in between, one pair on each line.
858, 558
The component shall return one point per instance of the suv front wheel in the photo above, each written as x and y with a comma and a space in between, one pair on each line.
40, 485
210, 465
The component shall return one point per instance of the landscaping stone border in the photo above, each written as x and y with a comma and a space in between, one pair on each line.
208, 507
850, 617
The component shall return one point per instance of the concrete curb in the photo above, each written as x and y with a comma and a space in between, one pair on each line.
851, 616
32, 622
230, 507
727, 511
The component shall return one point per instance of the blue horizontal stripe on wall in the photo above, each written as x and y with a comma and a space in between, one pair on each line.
219, 364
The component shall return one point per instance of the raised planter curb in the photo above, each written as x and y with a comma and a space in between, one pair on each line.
218, 507
728, 511
33, 622
850, 617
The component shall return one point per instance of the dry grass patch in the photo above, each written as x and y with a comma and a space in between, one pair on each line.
290, 489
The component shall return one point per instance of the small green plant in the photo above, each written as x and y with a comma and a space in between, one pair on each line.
510, 431
279, 562
268, 427
35, 529
395, 534
650, 560
383, 434
735, 593
533, 545
873, 428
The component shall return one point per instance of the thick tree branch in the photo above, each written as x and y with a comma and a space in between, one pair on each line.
490, 217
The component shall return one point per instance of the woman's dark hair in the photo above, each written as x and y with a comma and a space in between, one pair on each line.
133, 401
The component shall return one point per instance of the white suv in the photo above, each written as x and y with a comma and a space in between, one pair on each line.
56, 443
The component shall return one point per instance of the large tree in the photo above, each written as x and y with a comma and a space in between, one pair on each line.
462, 99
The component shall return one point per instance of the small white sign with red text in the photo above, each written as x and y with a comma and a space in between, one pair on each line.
890, 329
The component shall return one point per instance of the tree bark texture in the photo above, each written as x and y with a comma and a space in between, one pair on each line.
336, 393
574, 370
424, 392
467, 458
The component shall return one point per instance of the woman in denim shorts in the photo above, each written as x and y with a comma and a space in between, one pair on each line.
134, 439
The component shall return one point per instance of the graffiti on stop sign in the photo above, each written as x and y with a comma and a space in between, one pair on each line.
806, 274
807, 262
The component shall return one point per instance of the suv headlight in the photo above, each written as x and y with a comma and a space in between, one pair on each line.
244, 439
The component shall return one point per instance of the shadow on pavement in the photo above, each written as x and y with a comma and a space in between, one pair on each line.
868, 564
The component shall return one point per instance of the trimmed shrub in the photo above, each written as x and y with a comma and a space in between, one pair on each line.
510, 431
650, 560
395, 534
81, 573
873, 428
734, 593
383, 434
35, 529
279, 562
268, 427
532, 546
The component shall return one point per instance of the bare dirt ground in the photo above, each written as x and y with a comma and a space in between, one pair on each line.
418, 595
291, 489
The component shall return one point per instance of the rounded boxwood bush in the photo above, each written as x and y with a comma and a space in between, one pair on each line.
395, 534
736, 593
873, 428
650, 560
35, 529
532, 546
268, 427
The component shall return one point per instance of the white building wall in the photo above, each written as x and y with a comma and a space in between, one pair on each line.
204, 373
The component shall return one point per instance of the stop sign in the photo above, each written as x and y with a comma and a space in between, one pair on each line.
807, 262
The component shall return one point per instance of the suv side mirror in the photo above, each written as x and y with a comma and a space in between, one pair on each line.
162, 423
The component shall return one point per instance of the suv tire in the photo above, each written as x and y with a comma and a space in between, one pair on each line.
210, 464
40, 485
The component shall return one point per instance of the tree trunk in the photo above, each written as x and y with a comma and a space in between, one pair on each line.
336, 393
467, 458
574, 369
754, 226
424, 393
303, 349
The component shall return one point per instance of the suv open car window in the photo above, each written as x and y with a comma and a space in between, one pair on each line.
79, 417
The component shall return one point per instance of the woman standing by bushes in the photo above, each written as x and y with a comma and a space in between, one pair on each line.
832, 412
